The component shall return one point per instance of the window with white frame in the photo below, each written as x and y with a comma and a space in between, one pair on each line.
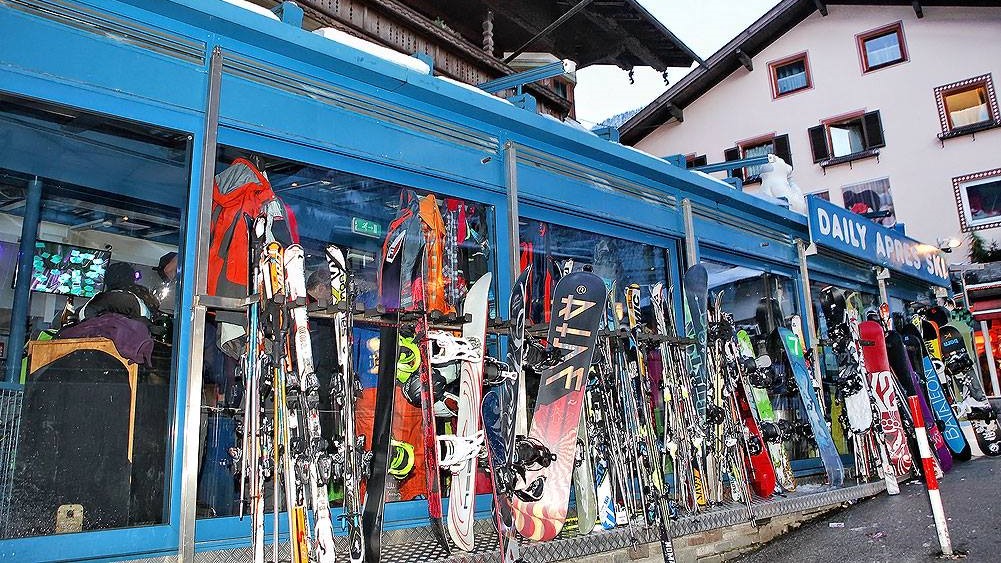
978, 197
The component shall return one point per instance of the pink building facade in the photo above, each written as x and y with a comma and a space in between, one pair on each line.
879, 109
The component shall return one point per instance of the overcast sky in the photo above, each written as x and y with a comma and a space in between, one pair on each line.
704, 25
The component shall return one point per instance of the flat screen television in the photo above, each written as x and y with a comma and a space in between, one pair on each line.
68, 270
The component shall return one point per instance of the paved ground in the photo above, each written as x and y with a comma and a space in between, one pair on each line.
900, 529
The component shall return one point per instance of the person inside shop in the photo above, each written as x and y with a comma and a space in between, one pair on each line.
167, 292
123, 313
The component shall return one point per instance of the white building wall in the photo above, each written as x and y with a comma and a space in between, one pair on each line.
947, 45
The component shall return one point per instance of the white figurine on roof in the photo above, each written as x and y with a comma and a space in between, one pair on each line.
776, 182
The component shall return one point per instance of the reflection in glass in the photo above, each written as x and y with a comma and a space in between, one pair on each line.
320, 207
87, 323
760, 302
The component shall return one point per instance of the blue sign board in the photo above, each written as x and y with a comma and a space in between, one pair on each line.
837, 228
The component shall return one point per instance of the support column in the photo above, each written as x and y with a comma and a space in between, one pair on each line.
691, 243
22, 286
193, 395
808, 324
511, 182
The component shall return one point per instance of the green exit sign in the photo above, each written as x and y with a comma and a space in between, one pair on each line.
365, 227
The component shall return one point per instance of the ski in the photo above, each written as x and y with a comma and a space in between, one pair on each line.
344, 392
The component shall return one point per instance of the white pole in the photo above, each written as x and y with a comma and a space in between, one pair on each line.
928, 465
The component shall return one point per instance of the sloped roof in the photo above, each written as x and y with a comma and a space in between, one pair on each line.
748, 43
616, 32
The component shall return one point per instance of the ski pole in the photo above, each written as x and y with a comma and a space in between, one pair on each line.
929, 470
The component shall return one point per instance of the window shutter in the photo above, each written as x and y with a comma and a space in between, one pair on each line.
780, 148
872, 128
818, 143
734, 154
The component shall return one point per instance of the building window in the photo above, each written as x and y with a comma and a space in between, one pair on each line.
87, 417
692, 160
871, 199
967, 106
978, 197
789, 75
759, 146
882, 47
846, 138
824, 195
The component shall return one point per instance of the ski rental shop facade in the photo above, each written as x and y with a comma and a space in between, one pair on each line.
120, 121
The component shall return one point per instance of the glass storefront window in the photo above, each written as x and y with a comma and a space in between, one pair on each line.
553, 250
759, 301
88, 321
863, 303
358, 214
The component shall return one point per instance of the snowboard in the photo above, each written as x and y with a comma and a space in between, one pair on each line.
944, 415
759, 463
696, 304
578, 311
585, 492
822, 434
761, 403
851, 377
972, 403
462, 493
901, 365
500, 404
881, 385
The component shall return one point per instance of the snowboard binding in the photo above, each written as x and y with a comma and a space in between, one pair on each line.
958, 363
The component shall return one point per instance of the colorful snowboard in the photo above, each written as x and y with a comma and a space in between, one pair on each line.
822, 434
578, 311
500, 404
881, 385
972, 403
462, 493
901, 365
952, 433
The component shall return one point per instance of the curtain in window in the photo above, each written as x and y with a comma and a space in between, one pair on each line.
791, 77
870, 196
760, 150
882, 50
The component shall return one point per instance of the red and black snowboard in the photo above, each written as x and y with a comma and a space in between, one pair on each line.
577, 312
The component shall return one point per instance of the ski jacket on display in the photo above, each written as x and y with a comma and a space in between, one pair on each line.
240, 194
433, 229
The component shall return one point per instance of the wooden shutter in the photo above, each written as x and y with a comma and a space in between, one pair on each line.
780, 148
734, 154
818, 143
872, 129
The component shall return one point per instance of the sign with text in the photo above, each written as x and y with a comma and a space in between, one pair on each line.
837, 228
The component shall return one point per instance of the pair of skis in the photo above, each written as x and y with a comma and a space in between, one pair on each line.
287, 448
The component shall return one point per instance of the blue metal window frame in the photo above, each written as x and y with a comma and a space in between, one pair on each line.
171, 93
161, 538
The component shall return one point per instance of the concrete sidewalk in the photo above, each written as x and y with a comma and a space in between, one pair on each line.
900, 529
